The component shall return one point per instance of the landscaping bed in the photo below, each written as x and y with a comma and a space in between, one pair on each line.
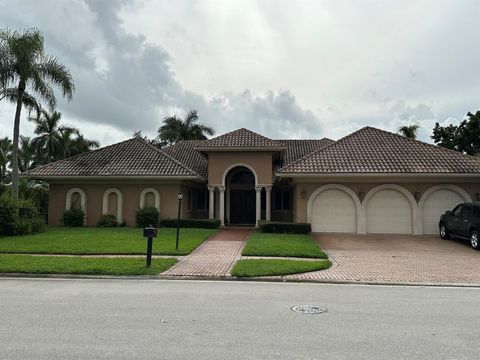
282, 245
103, 241
78, 265
276, 267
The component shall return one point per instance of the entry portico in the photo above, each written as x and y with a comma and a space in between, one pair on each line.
240, 175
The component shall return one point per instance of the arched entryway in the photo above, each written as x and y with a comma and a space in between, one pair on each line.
241, 196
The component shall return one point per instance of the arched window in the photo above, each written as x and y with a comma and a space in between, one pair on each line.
113, 204
150, 198
75, 199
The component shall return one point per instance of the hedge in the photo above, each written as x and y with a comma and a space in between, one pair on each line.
285, 227
147, 217
73, 218
107, 221
191, 223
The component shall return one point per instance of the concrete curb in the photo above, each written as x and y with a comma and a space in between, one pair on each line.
231, 278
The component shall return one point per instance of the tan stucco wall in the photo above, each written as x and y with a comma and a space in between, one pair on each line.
472, 187
219, 162
131, 200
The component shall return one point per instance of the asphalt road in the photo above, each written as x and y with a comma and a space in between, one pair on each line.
129, 319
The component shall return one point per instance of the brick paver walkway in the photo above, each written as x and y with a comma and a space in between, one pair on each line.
397, 259
215, 257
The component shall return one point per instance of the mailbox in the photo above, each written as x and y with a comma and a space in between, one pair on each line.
150, 232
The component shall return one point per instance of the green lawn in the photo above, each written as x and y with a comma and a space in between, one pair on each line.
272, 267
282, 245
77, 265
58, 240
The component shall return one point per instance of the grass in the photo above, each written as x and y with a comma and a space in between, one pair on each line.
58, 240
282, 245
77, 265
272, 267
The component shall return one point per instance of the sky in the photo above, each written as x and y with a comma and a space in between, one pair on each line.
286, 69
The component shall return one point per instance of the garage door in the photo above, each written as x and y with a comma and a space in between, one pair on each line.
435, 205
389, 212
333, 210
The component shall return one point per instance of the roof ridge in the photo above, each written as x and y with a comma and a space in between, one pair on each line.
441, 148
79, 155
168, 156
322, 149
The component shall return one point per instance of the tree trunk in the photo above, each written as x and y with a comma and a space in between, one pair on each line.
16, 135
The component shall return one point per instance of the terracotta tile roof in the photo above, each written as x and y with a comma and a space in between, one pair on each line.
370, 150
184, 151
241, 138
133, 157
296, 149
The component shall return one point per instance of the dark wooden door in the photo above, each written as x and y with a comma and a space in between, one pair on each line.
242, 206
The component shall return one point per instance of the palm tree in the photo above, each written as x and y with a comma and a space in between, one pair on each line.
5, 155
409, 131
24, 65
175, 129
52, 139
80, 145
26, 154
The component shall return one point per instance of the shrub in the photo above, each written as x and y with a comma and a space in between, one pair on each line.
107, 221
18, 217
285, 227
147, 217
73, 217
8, 215
191, 223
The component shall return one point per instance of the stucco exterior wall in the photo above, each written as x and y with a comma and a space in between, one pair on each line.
219, 162
303, 190
94, 200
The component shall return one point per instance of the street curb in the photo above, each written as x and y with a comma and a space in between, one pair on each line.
231, 278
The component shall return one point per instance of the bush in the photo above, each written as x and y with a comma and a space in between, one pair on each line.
107, 221
18, 217
73, 218
191, 223
285, 227
147, 217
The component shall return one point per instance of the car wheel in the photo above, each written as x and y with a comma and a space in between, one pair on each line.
444, 234
474, 241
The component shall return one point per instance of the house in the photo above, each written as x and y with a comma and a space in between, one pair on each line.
371, 181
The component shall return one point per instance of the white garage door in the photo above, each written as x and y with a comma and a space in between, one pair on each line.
334, 211
389, 212
435, 205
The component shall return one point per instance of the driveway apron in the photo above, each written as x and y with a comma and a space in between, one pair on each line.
215, 257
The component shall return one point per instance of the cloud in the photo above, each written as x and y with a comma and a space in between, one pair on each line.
343, 66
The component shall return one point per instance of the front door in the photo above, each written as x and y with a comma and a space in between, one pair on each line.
242, 207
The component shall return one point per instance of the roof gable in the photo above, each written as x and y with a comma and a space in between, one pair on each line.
133, 157
241, 138
370, 150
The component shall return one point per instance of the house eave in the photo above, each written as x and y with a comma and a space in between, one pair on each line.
317, 175
113, 177
239, 148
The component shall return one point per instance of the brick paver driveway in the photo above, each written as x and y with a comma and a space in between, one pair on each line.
215, 257
397, 259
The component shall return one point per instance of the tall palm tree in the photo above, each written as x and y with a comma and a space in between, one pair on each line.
5, 156
175, 129
24, 65
409, 131
51, 136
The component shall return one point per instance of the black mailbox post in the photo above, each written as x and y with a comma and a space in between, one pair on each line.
150, 233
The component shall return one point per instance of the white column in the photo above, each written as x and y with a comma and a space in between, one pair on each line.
221, 190
268, 203
211, 201
258, 209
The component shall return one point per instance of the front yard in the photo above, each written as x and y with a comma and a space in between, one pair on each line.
78, 265
102, 241
271, 252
